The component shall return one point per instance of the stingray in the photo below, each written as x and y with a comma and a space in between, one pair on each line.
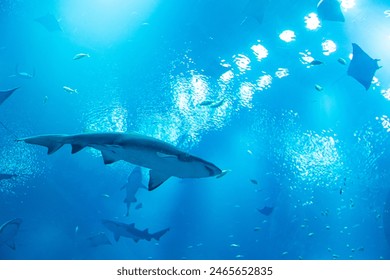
266, 210
4, 94
49, 22
362, 66
330, 10
256, 9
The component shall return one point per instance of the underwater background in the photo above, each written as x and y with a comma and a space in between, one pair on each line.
268, 99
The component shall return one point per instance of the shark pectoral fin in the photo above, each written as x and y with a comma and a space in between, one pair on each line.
163, 155
156, 179
53, 147
11, 244
116, 237
77, 148
108, 157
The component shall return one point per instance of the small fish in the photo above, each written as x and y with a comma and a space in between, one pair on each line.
327, 227
284, 253
81, 55
234, 245
45, 99
387, 13
239, 256
316, 62
334, 256
70, 90
76, 230
106, 195
342, 61
206, 102
329, 249
250, 152
318, 87
257, 229
217, 104
310, 234
253, 181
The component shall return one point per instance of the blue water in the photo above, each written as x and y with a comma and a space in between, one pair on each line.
319, 157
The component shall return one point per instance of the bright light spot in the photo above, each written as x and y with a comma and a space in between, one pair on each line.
282, 72
328, 47
312, 21
264, 82
287, 36
385, 121
242, 62
260, 51
246, 95
348, 4
306, 57
227, 76
386, 93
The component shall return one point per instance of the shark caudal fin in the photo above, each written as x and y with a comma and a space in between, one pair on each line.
160, 233
52, 142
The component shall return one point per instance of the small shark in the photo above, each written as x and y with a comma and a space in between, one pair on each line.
21, 74
163, 159
7, 176
129, 231
8, 231
134, 182
4, 94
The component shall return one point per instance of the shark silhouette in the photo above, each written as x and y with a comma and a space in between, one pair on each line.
134, 182
8, 231
129, 231
163, 159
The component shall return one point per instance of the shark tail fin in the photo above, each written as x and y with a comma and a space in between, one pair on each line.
52, 142
157, 235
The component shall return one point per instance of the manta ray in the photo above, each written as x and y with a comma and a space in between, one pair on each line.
4, 94
163, 159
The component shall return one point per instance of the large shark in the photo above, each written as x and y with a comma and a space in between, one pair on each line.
8, 231
134, 182
4, 94
129, 231
163, 159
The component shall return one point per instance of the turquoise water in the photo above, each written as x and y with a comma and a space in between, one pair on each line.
301, 137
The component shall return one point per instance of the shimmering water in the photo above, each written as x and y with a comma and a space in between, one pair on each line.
299, 136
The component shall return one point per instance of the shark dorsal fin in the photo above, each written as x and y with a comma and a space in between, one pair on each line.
108, 157
77, 148
156, 179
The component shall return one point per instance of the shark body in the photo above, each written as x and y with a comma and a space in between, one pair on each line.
130, 231
134, 182
163, 159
